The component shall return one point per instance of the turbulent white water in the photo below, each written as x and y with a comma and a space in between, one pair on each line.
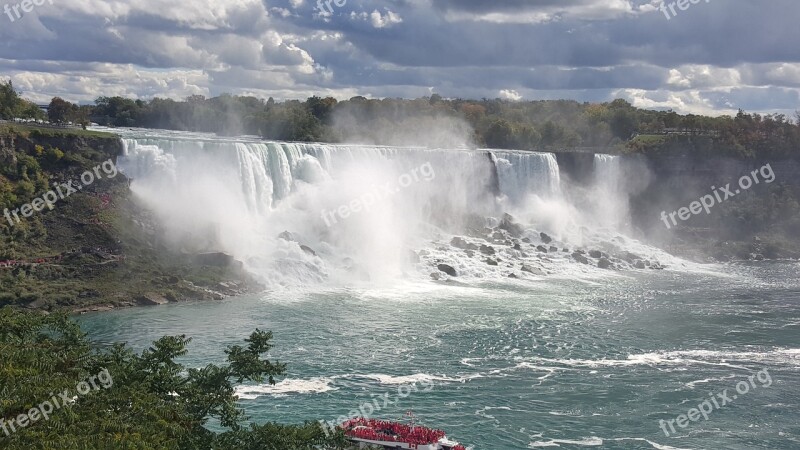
370, 213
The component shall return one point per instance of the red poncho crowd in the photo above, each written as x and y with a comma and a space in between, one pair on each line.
381, 430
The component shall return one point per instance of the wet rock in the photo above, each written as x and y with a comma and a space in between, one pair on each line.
469, 253
541, 249
436, 276
758, 257
604, 263
152, 299
553, 249
498, 236
517, 247
447, 269
308, 250
629, 257
580, 258
487, 249
657, 266
533, 270
565, 250
511, 275
595, 254
639, 264
287, 236
545, 238
526, 240
491, 262
461, 243
509, 224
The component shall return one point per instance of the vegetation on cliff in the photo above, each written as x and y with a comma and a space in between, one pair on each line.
97, 248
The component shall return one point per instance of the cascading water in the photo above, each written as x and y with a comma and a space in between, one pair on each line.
360, 212
612, 206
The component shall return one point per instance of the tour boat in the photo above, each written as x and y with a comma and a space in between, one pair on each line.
395, 435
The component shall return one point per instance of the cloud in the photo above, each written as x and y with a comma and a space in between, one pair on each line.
510, 94
587, 50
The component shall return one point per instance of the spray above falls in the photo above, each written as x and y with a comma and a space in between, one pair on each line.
300, 213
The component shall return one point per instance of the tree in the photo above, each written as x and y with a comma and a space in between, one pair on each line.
500, 134
146, 400
60, 110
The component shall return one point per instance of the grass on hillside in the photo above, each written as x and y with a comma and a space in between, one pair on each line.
29, 130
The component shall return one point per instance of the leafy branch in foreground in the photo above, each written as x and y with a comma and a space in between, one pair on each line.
155, 402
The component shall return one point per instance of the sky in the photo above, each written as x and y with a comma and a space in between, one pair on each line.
711, 57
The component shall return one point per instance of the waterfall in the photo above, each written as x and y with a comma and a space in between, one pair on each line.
611, 208
268, 172
368, 204
607, 172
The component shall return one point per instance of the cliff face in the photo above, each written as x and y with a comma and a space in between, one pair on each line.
97, 248
762, 220
758, 216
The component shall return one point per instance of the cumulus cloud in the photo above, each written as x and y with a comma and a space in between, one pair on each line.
510, 94
587, 50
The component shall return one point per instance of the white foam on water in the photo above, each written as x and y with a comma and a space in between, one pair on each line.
289, 386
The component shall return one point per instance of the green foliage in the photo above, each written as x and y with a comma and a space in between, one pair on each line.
13, 106
151, 402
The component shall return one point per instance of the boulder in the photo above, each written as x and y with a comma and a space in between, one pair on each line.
533, 270
436, 276
580, 258
595, 254
545, 238
308, 250
553, 249
604, 263
517, 246
541, 249
639, 264
447, 269
487, 249
287, 236
629, 257
152, 299
459, 242
491, 262
526, 240
511, 275
509, 224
